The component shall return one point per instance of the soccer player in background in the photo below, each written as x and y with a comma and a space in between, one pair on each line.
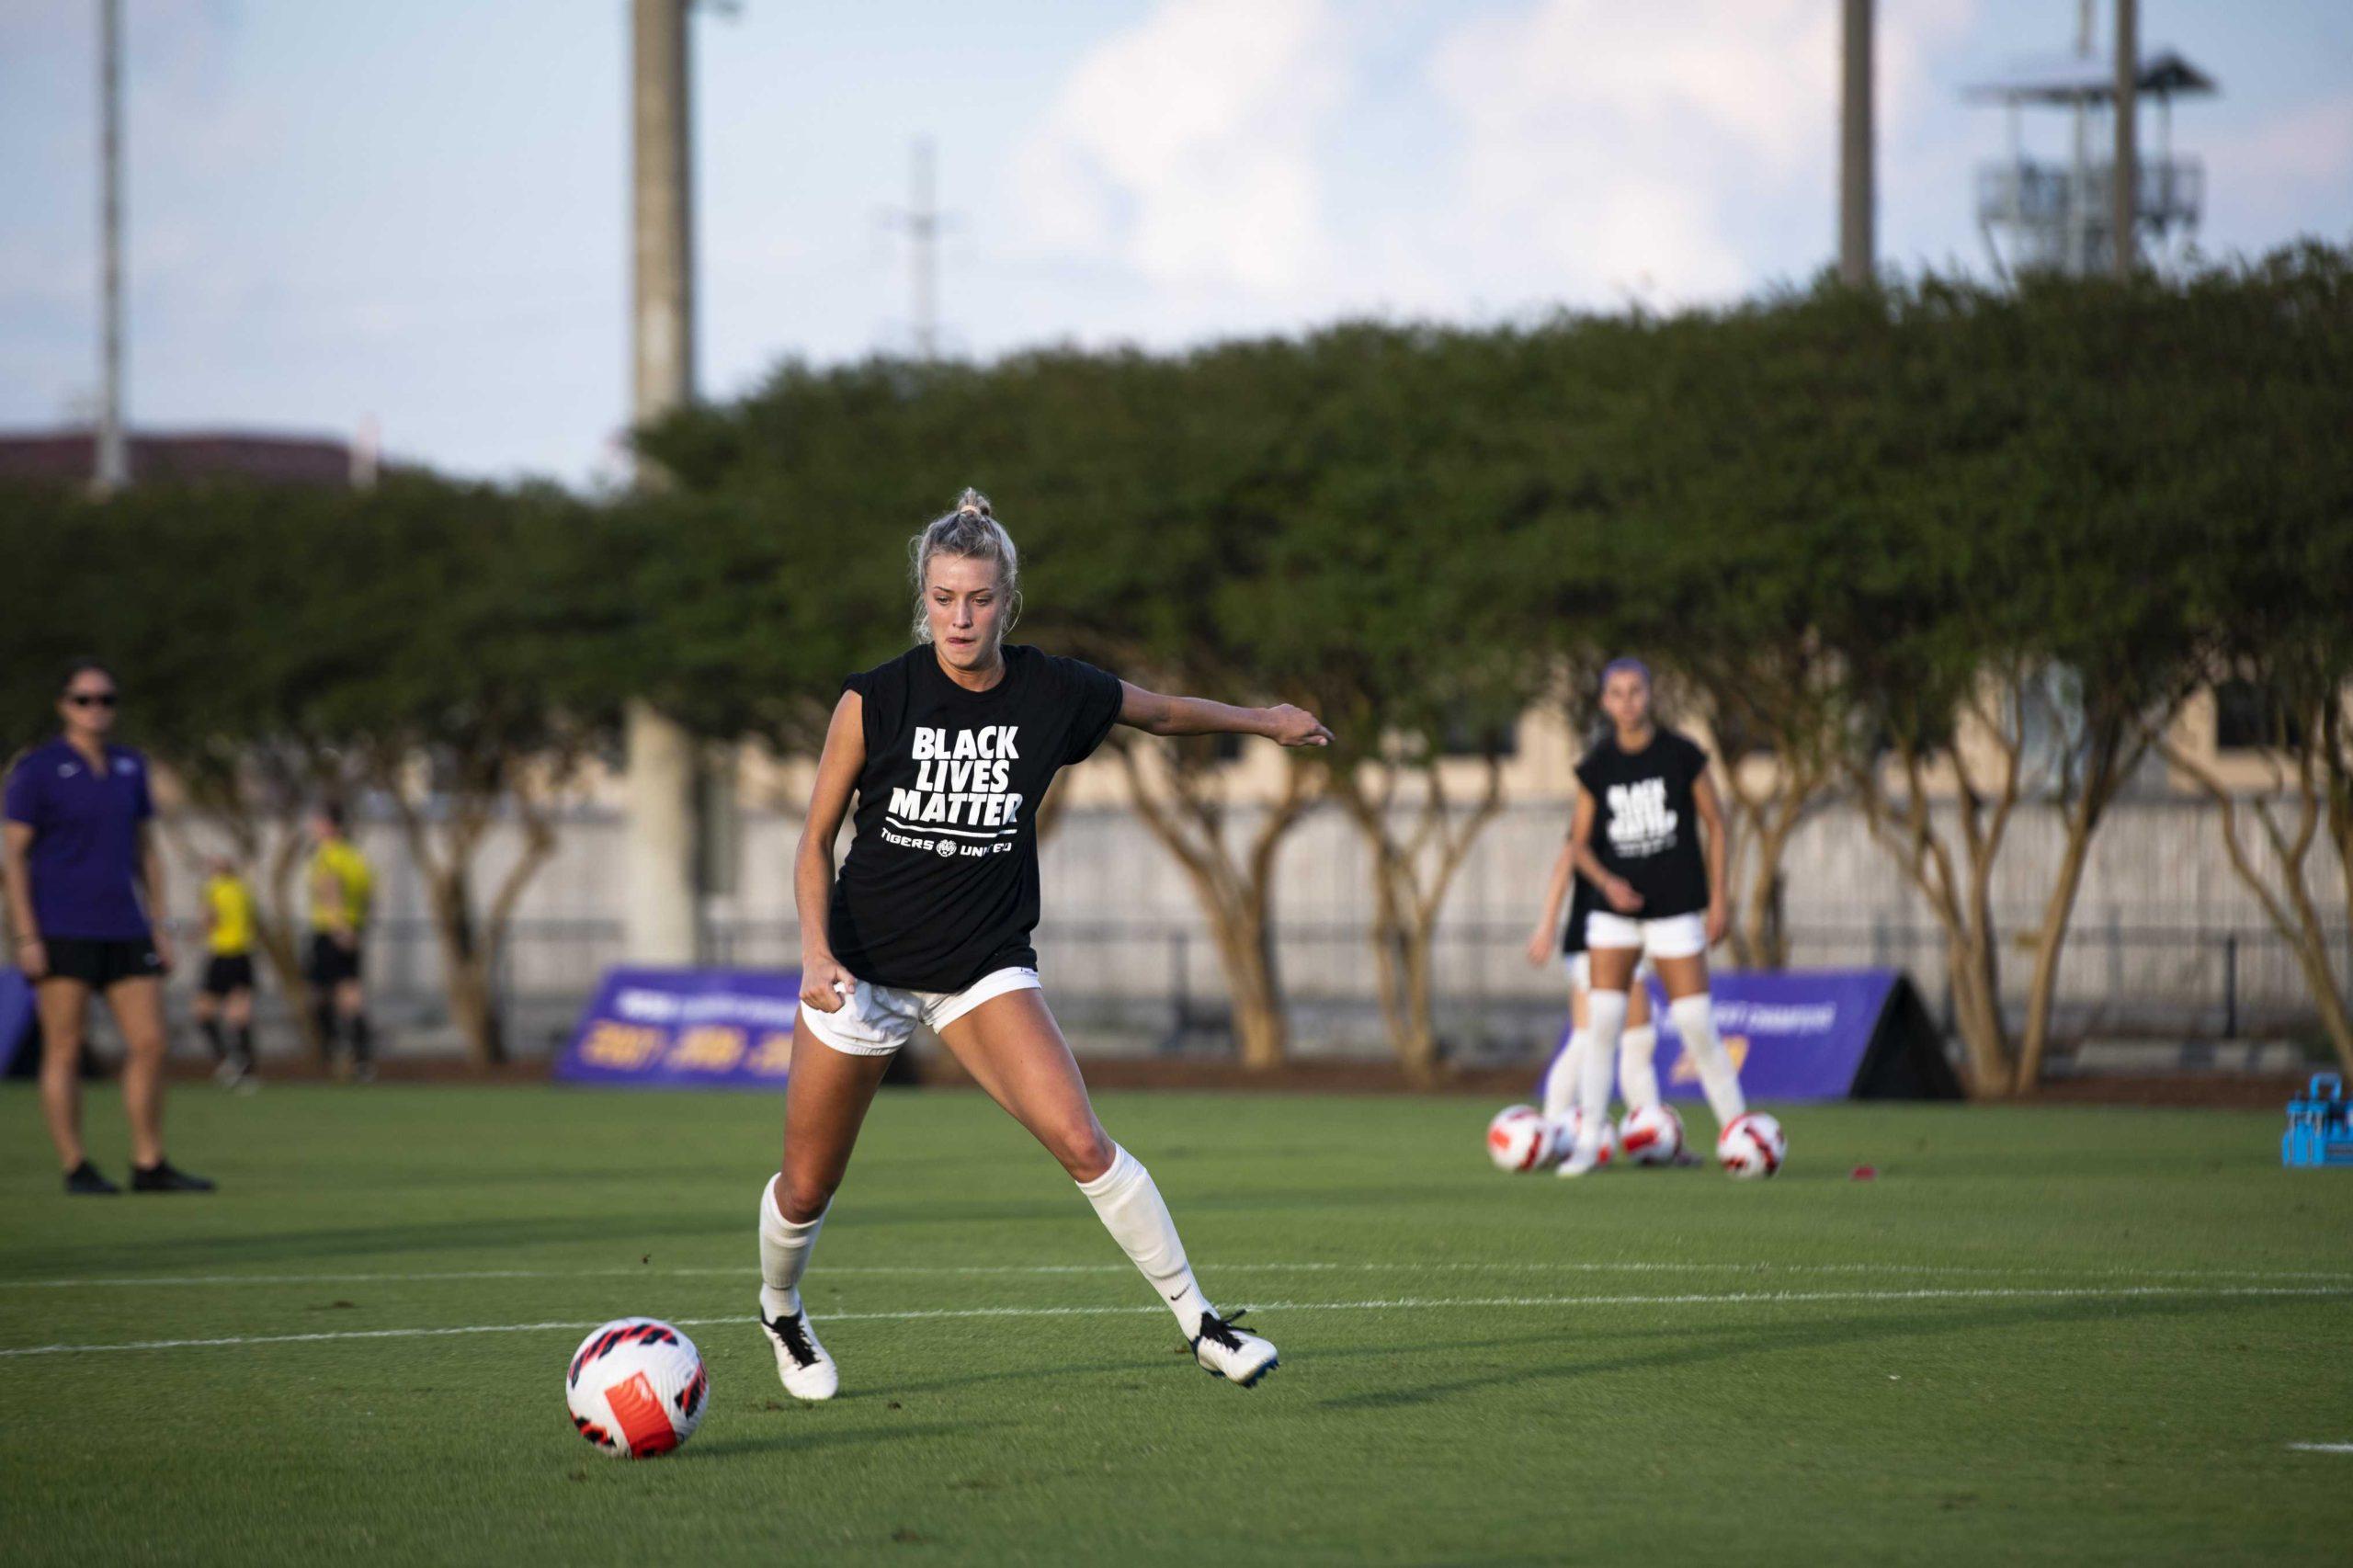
1636, 838
84, 880
225, 1002
947, 750
1637, 1077
342, 887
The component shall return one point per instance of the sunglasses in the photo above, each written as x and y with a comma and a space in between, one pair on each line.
90, 700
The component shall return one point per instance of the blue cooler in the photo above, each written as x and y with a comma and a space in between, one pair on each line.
2319, 1133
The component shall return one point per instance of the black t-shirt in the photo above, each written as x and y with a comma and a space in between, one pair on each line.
1583, 901
940, 885
1644, 827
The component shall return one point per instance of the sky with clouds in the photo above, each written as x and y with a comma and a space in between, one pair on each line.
416, 213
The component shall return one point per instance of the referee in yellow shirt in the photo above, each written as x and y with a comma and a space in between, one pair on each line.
226, 997
342, 885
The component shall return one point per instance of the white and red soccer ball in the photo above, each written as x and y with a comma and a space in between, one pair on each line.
637, 1388
1570, 1126
1652, 1135
1752, 1146
1520, 1139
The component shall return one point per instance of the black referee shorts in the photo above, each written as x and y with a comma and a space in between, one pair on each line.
225, 973
332, 963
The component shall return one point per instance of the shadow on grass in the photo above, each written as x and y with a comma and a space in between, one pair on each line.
628, 1235
779, 1440
1690, 1351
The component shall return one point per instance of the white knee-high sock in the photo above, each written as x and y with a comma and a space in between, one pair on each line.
1130, 1206
1561, 1078
784, 1253
1695, 1017
1605, 1021
1637, 1072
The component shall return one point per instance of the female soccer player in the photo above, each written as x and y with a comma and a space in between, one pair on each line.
949, 748
1637, 1078
1645, 792
85, 883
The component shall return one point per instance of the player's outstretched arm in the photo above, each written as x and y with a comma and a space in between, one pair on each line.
1156, 714
812, 862
1711, 818
1547, 934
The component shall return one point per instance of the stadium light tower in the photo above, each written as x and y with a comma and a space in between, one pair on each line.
663, 924
2086, 215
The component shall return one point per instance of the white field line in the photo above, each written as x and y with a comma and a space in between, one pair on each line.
2323, 1448
1395, 1303
1896, 1270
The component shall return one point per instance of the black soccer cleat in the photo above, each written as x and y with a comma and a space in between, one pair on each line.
164, 1176
85, 1180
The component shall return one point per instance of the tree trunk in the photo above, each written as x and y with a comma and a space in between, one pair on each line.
1406, 906
1973, 963
2289, 907
467, 983
1235, 893
2043, 987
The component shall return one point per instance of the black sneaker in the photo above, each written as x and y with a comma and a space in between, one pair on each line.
85, 1178
163, 1177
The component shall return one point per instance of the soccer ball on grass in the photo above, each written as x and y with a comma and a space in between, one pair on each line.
1520, 1139
1652, 1136
637, 1388
1752, 1146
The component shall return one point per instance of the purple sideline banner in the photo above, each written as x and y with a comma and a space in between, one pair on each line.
686, 1029
1795, 1035
16, 1014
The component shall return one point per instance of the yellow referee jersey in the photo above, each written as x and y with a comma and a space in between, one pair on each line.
355, 885
231, 903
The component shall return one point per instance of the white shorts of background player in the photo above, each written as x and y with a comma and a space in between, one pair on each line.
1580, 970
1675, 936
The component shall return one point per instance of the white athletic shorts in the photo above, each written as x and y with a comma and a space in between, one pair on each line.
1675, 937
875, 1020
1580, 970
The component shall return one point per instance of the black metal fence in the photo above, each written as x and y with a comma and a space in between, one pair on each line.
1152, 985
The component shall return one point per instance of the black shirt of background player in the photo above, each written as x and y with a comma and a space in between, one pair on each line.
1583, 898
1646, 828
940, 886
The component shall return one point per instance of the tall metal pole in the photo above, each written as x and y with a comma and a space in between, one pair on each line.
113, 466
2079, 179
1856, 195
923, 239
2124, 179
662, 926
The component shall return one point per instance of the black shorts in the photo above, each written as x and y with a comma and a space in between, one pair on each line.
224, 972
98, 963
332, 963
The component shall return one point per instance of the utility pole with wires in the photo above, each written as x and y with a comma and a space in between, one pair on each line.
922, 222
113, 466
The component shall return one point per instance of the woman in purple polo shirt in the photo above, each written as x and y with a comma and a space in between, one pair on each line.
83, 875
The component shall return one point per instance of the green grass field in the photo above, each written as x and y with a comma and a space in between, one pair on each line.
2042, 1335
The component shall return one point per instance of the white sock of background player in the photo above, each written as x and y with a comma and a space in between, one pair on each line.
1130, 1206
784, 1254
1695, 1017
1605, 1022
1561, 1078
1637, 1070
